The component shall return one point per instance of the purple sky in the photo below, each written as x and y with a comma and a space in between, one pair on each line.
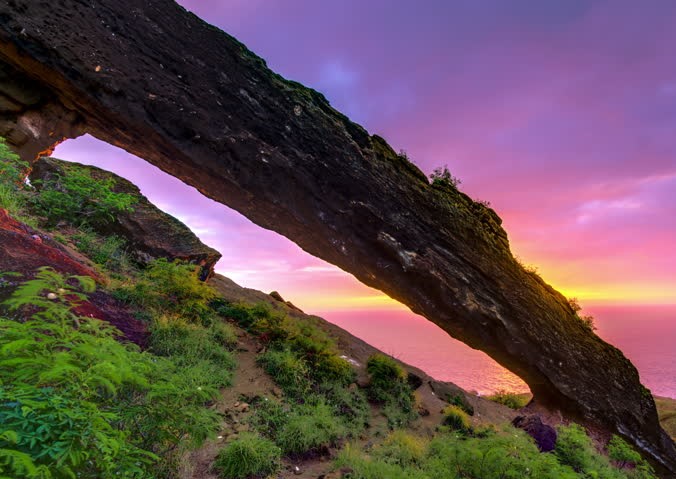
561, 114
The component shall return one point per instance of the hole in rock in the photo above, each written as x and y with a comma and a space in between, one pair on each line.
261, 259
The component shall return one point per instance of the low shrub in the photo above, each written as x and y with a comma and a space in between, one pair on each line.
189, 342
574, 448
461, 401
389, 387
441, 176
11, 200
350, 404
403, 449
506, 454
386, 376
456, 419
511, 400
75, 197
269, 417
248, 456
173, 289
310, 428
109, 251
288, 370
361, 466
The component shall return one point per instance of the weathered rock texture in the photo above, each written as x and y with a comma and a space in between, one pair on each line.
150, 232
154, 79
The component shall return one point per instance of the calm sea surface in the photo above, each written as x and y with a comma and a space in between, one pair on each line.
646, 335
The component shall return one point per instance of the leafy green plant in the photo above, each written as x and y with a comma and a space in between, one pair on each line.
349, 403
622, 453
288, 370
509, 399
69, 436
442, 176
310, 428
12, 168
574, 448
270, 416
115, 410
456, 419
77, 198
11, 199
587, 319
460, 400
385, 374
402, 448
109, 251
389, 386
19, 463
171, 289
248, 456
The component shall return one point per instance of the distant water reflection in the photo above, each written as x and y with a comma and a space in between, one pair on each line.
647, 336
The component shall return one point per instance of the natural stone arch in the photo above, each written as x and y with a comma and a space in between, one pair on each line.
155, 80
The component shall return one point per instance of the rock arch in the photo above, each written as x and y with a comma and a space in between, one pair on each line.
147, 76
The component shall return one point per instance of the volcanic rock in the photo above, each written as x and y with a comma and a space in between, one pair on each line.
150, 232
544, 435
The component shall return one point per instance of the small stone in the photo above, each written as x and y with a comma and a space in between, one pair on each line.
52, 296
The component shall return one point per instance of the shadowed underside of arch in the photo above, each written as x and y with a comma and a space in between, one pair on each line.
147, 76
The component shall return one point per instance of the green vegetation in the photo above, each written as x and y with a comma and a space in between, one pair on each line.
171, 290
76, 198
320, 410
388, 386
289, 371
248, 456
456, 419
61, 377
311, 428
622, 453
587, 320
508, 453
575, 449
441, 176
78, 402
12, 175
109, 252
511, 400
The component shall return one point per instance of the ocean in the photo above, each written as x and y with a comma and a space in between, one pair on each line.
646, 335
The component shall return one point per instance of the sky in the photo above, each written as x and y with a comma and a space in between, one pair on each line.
561, 114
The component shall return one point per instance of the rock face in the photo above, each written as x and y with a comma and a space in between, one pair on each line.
543, 434
157, 81
151, 233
